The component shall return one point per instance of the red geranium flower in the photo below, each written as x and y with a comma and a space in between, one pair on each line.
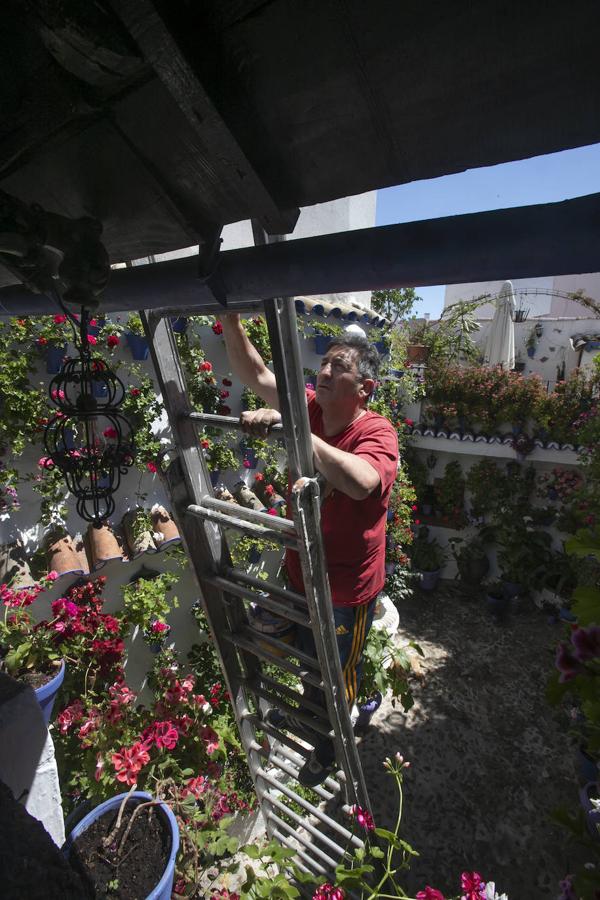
217, 327
112, 341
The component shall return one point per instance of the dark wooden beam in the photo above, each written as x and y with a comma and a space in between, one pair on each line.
226, 168
526, 242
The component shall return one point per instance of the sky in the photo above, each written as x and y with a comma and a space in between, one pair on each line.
541, 179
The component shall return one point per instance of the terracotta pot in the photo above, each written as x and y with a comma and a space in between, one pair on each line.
139, 541
162, 522
245, 497
103, 546
417, 354
65, 555
14, 567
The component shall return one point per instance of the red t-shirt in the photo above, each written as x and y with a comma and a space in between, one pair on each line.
354, 530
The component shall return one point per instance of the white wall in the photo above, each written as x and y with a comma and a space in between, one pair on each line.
539, 304
345, 214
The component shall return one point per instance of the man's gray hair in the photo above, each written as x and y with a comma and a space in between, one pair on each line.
367, 357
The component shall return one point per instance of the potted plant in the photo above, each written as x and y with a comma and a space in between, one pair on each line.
427, 558
136, 337
218, 455
485, 483
531, 342
31, 651
386, 667
127, 844
450, 492
472, 562
146, 604
323, 333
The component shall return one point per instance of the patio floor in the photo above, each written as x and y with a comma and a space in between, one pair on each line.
489, 757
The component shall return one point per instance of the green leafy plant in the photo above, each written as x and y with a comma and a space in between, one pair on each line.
142, 409
134, 325
486, 483
26, 647
426, 555
394, 303
450, 490
145, 601
325, 329
386, 667
258, 334
218, 454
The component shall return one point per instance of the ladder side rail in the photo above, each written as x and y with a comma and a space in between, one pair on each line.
204, 542
280, 314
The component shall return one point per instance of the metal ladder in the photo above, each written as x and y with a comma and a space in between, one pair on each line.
318, 839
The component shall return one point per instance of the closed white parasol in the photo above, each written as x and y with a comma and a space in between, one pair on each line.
500, 344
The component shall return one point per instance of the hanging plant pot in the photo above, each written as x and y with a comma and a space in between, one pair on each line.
99, 389
367, 710
94, 330
179, 324
151, 847
417, 354
163, 524
65, 556
249, 456
428, 580
138, 346
104, 546
46, 694
382, 348
138, 532
55, 355
531, 352
322, 342
214, 477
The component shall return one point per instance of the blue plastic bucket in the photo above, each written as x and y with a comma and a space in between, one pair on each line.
162, 891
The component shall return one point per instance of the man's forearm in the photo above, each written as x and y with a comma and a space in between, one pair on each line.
345, 472
247, 363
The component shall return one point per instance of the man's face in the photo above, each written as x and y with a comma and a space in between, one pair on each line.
340, 388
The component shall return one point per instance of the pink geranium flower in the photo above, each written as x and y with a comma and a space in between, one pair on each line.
430, 894
91, 339
151, 467
165, 735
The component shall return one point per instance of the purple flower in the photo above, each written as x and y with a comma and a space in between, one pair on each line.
566, 663
586, 642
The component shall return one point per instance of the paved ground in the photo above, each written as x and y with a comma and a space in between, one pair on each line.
490, 758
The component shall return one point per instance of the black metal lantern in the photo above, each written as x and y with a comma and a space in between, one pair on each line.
88, 440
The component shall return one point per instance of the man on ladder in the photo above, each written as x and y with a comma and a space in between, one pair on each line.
356, 451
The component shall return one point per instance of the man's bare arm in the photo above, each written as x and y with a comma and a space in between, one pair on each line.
247, 363
345, 472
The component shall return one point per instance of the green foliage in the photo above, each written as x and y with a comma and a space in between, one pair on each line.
142, 409
450, 490
426, 555
145, 600
487, 484
325, 329
394, 303
386, 667
218, 453
258, 334
134, 325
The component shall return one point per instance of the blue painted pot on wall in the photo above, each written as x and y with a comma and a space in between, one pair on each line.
138, 345
179, 324
46, 694
54, 358
531, 352
382, 348
322, 342
162, 891
249, 456
429, 580
99, 389
214, 477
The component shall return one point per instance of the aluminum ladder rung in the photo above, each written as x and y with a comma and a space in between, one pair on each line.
308, 826
330, 782
277, 735
225, 422
312, 725
309, 807
241, 523
289, 692
291, 771
235, 511
253, 646
263, 600
317, 867
275, 589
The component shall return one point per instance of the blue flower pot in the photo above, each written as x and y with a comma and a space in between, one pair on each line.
322, 342
214, 477
138, 346
54, 358
179, 324
390, 515
367, 710
531, 352
249, 456
382, 348
100, 389
162, 891
429, 580
498, 607
46, 694
254, 555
